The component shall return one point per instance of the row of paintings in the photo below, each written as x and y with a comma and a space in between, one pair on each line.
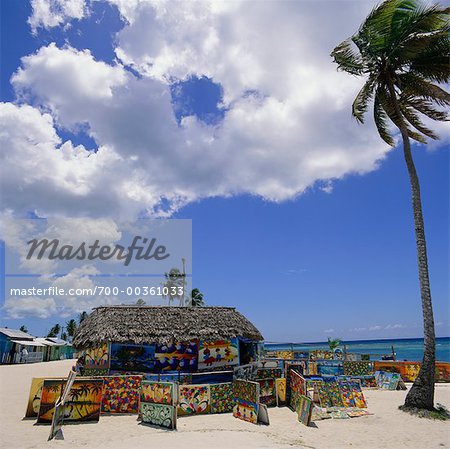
179, 356
343, 393
410, 370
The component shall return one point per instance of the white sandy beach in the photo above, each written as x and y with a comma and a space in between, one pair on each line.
388, 428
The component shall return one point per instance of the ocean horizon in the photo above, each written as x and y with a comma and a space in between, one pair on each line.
404, 348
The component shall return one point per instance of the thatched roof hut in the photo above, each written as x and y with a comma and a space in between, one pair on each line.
139, 325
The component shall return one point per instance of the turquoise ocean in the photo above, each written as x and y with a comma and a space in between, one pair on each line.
405, 348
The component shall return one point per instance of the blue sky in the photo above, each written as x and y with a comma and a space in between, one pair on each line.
307, 246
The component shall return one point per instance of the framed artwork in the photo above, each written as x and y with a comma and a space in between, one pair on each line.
160, 415
194, 399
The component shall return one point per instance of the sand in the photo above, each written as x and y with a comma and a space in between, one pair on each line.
388, 428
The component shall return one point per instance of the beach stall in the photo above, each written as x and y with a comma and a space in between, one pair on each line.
167, 341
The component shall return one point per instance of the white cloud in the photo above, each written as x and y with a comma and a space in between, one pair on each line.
293, 131
52, 13
29, 306
328, 331
357, 329
396, 326
374, 328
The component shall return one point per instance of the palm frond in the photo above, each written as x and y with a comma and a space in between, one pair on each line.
381, 121
433, 63
387, 104
414, 120
425, 107
414, 85
361, 102
347, 59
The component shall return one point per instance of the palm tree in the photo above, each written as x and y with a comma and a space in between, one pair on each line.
82, 316
71, 327
174, 286
54, 331
196, 299
402, 49
333, 343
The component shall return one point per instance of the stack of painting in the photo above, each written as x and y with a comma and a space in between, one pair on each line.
352, 395
328, 393
158, 404
297, 386
246, 402
387, 380
304, 409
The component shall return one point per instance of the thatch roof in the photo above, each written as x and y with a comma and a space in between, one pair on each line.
136, 324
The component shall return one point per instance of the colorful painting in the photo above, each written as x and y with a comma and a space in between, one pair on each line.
304, 409
194, 399
319, 413
312, 368
266, 373
247, 372
358, 368
267, 392
356, 413
96, 358
221, 397
158, 392
321, 354
284, 354
245, 410
442, 372
34, 398
329, 394
368, 381
409, 371
160, 415
246, 390
301, 355
83, 403
297, 386
218, 354
330, 368
121, 394
352, 395
132, 358
339, 414
280, 384
387, 380
179, 356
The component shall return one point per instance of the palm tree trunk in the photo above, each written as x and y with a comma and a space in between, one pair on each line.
421, 394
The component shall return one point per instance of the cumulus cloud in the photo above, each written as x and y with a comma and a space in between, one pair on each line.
29, 306
286, 124
52, 13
